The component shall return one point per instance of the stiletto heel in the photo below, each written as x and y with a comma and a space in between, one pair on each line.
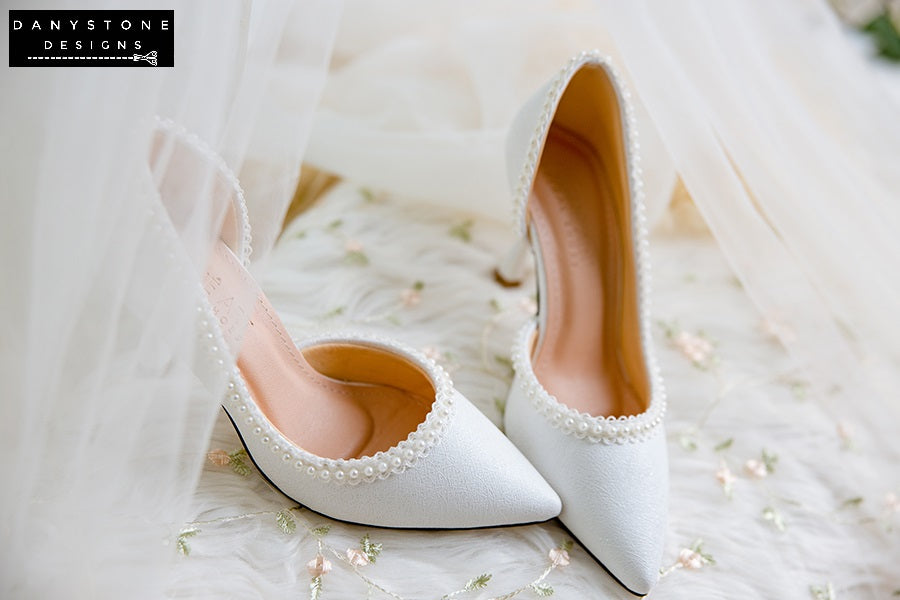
510, 272
587, 402
355, 427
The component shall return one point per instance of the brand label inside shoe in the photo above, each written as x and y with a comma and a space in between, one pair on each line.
91, 38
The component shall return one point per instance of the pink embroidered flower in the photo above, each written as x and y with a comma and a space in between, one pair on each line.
410, 297
725, 477
891, 502
432, 353
357, 557
353, 246
690, 559
845, 432
779, 331
219, 458
756, 468
559, 557
698, 349
318, 566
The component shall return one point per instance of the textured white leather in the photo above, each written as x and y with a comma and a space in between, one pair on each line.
611, 473
614, 496
469, 476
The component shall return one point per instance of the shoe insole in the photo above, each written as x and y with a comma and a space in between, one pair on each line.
586, 249
359, 401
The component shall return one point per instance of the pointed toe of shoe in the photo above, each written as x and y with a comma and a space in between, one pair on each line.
485, 480
472, 477
616, 505
614, 495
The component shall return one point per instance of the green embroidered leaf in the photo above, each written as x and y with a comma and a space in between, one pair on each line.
687, 442
852, 502
822, 592
724, 445
181, 542
356, 257
237, 460
770, 460
495, 305
300, 234
697, 547
567, 545
335, 312
506, 362
799, 388
367, 194
369, 549
335, 224
321, 531
885, 35
669, 329
500, 405
315, 588
478, 583
285, 521
463, 230
418, 285
770, 514
543, 590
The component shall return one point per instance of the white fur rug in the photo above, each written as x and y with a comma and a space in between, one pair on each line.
771, 496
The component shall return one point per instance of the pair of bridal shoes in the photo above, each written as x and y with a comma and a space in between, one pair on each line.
366, 430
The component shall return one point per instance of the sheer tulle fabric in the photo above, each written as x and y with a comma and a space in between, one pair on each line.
109, 397
787, 140
780, 127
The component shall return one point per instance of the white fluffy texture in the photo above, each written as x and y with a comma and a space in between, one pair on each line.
749, 394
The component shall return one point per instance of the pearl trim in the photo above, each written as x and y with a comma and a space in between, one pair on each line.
581, 425
264, 435
606, 430
247, 416
200, 145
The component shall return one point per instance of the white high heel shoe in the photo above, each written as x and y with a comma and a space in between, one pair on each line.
358, 428
587, 403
